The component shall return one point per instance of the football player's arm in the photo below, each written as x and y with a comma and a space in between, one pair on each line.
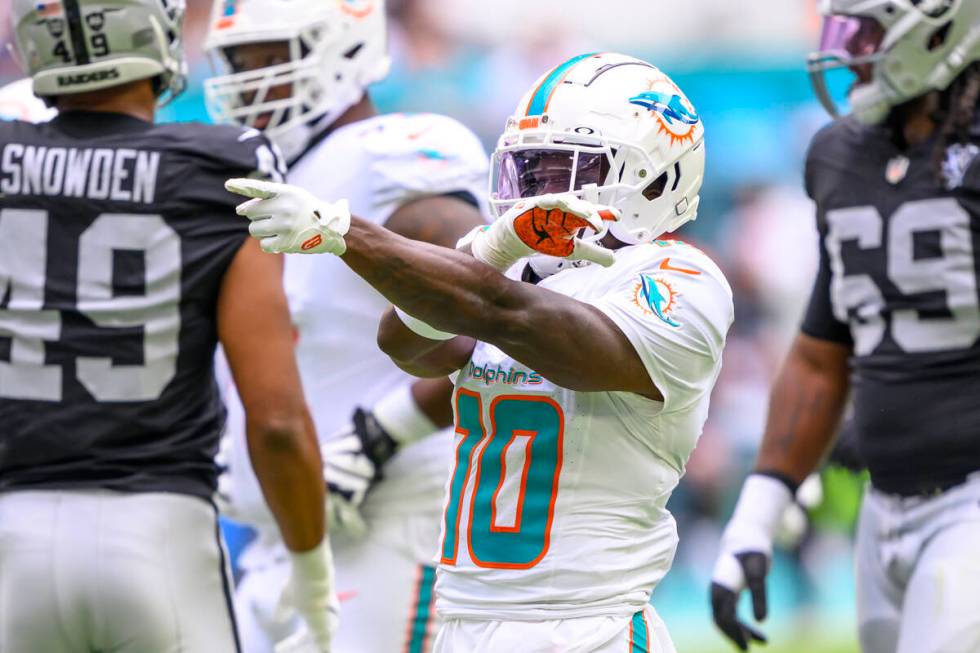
805, 408
440, 220
256, 334
570, 343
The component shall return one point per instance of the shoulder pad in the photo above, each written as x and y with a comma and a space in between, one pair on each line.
424, 154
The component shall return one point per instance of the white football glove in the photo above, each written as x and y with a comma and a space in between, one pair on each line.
745, 556
310, 592
550, 224
290, 220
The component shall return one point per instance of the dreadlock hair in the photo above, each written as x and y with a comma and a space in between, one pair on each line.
957, 114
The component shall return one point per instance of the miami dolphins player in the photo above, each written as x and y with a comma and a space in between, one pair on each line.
582, 381
298, 71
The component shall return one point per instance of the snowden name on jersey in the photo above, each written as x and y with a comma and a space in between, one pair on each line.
117, 174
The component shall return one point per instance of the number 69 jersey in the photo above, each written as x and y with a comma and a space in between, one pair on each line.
115, 235
556, 504
898, 283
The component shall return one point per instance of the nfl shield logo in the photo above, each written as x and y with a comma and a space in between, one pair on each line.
897, 169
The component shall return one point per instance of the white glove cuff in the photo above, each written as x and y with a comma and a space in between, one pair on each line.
315, 564
757, 514
400, 416
420, 328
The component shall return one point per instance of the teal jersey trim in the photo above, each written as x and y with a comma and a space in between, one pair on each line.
544, 92
419, 626
639, 637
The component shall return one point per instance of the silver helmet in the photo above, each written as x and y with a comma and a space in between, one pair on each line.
900, 49
75, 46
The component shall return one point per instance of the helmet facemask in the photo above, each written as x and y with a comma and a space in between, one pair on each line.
531, 163
332, 54
846, 42
282, 99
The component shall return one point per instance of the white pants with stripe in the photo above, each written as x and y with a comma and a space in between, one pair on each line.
645, 632
918, 570
110, 571
384, 583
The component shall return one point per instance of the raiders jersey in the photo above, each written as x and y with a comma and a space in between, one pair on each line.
898, 283
114, 238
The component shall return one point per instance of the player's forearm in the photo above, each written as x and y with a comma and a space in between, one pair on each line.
449, 290
805, 409
434, 399
286, 459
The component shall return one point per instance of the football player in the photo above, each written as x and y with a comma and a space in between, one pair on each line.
121, 265
893, 317
579, 397
299, 70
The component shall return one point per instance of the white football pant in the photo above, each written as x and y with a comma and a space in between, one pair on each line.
95, 570
918, 571
645, 632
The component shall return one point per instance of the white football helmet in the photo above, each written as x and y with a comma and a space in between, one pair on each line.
911, 46
18, 102
613, 130
337, 49
75, 46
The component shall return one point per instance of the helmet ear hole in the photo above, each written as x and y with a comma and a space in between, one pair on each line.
938, 38
656, 188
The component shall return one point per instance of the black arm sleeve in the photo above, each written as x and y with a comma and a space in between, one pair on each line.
819, 320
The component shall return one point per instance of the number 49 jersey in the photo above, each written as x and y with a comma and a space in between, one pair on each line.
898, 283
115, 235
556, 504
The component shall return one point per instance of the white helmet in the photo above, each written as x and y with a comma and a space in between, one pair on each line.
613, 130
18, 102
75, 46
912, 46
337, 49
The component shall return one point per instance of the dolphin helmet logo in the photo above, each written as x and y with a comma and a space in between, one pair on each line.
670, 106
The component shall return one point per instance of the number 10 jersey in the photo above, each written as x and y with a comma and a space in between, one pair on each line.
115, 235
556, 504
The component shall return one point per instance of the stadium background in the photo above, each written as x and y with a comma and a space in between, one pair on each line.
742, 64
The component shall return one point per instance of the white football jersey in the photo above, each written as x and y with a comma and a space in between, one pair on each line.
378, 165
556, 505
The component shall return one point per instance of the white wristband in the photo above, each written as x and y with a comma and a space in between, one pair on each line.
400, 416
420, 328
757, 514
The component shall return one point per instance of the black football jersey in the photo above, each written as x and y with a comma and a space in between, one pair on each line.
899, 262
115, 235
